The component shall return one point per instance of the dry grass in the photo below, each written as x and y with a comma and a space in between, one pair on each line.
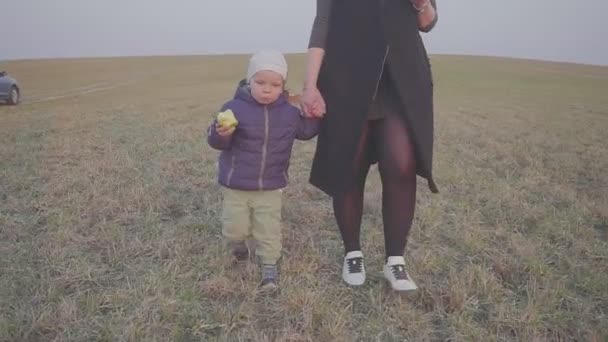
109, 222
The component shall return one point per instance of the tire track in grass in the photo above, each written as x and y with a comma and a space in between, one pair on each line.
90, 89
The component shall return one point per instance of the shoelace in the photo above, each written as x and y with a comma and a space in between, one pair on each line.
355, 265
399, 272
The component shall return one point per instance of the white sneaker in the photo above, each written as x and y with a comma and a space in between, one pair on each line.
397, 276
353, 270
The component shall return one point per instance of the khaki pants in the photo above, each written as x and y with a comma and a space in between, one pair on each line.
257, 214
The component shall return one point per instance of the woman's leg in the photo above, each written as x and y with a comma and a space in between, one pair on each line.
397, 167
348, 206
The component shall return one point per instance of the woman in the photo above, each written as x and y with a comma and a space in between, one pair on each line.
368, 69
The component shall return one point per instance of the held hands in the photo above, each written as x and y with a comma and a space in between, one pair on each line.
313, 103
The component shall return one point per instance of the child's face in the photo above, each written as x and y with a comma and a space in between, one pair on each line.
266, 86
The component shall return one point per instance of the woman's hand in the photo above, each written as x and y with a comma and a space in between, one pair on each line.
427, 16
313, 103
420, 5
224, 131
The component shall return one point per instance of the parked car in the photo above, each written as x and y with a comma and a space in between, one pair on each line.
9, 89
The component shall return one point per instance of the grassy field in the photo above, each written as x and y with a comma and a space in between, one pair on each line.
110, 231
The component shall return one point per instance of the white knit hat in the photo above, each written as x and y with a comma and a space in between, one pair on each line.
267, 60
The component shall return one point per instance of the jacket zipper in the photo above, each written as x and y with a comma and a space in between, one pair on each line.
231, 171
381, 72
264, 149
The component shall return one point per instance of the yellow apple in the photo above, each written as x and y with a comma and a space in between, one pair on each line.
227, 119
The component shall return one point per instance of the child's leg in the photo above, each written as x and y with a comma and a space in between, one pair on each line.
236, 222
266, 225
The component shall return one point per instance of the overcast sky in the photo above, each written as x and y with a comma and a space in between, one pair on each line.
562, 30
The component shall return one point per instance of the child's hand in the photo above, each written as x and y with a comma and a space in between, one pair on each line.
226, 123
224, 131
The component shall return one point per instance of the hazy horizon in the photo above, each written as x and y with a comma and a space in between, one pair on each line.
543, 30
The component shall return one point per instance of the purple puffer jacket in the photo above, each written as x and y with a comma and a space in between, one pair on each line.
256, 156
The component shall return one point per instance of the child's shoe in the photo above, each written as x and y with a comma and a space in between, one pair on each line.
240, 252
269, 278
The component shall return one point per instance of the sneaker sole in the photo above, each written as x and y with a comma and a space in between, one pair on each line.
406, 291
353, 284
268, 288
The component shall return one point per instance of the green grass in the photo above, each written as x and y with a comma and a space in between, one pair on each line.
110, 230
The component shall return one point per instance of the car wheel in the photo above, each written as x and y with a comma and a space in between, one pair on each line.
14, 95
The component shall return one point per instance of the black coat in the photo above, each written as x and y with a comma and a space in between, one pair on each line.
362, 37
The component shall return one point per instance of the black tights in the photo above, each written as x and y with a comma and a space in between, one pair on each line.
397, 165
